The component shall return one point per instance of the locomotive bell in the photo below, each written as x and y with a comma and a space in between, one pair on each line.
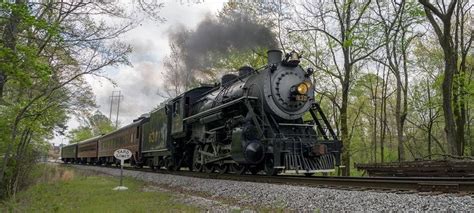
292, 59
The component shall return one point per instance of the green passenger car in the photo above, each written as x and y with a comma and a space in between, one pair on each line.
69, 153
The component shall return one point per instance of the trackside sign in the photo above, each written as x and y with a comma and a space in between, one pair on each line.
122, 154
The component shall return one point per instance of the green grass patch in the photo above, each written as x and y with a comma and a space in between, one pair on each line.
71, 191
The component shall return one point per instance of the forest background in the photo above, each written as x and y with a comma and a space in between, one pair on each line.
394, 77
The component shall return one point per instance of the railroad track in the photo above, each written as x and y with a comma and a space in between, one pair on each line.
431, 185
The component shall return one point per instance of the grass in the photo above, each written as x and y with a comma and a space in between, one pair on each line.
68, 190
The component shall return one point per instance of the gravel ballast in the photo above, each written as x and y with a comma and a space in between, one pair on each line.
301, 198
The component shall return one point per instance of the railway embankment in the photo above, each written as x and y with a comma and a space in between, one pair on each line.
255, 195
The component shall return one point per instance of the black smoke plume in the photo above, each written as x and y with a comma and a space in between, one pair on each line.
220, 36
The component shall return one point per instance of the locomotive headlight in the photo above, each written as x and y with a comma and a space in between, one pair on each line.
302, 88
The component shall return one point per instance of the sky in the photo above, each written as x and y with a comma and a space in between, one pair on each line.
140, 83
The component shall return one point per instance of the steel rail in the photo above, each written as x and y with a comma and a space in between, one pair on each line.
396, 184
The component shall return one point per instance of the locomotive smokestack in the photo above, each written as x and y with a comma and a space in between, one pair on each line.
274, 56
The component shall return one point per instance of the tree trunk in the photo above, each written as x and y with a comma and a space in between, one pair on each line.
345, 131
450, 68
459, 115
6, 158
430, 123
3, 80
470, 139
374, 134
345, 137
383, 114
398, 118
447, 90
374, 92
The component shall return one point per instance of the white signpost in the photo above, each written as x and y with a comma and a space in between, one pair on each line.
122, 155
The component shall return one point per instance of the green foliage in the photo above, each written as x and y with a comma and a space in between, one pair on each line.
347, 43
23, 64
415, 10
44, 77
94, 125
80, 134
236, 59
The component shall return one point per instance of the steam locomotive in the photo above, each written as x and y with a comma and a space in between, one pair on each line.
256, 120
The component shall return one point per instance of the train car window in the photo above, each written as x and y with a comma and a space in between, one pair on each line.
186, 107
176, 107
137, 134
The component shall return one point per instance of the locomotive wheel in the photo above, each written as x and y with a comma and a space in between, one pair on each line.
169, 165
269, 170
209, 168
172, 165
152, 167
197, 166
222, 169
137, 165
239, 169
308, 174
254, 170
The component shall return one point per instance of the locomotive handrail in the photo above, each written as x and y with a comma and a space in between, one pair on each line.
290, 124
209, 111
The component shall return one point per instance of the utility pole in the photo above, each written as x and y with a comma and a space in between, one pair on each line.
118, 108
117, 97
111, 103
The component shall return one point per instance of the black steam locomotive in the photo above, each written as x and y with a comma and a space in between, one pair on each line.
252, 121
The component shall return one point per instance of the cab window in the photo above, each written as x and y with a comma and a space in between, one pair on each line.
176, 108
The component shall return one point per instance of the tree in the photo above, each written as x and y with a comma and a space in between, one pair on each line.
177, 75
426, 104
398, 20
347, 30
92, 125
52, 46
448, 22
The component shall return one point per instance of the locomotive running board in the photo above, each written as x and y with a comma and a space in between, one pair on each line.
308, 172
